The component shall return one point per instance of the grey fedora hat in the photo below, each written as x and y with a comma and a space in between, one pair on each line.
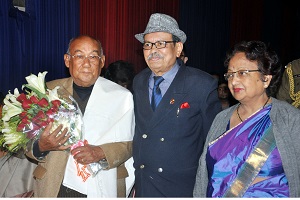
162, 23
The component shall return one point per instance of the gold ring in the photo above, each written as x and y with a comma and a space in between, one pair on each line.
59, 144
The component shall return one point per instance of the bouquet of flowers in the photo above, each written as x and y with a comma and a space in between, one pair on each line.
25, 115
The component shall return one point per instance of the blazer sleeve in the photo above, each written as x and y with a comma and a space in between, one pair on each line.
117, 153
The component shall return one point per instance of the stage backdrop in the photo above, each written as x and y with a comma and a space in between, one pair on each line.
115, 22
36, 40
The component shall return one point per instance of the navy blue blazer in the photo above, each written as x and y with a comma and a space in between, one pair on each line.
167, 144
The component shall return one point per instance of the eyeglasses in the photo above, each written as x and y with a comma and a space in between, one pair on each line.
158, 44
239, 74
80, 58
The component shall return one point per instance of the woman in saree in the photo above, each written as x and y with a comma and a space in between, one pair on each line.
252, 148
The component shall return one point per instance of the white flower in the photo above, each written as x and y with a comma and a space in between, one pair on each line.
37, 82
11, 107
12, 137
6, 128
13, 97
52, 94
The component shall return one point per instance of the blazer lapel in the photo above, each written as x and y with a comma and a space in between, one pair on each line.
141, 95
171, 100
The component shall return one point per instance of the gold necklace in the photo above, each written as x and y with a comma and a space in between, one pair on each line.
237, 109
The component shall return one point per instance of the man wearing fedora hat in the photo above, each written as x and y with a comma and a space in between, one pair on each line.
173, 115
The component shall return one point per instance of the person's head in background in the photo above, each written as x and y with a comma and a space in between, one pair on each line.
223, 90
224, 94
120, 72
183, 55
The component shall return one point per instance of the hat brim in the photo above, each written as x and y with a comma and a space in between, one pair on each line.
177, 32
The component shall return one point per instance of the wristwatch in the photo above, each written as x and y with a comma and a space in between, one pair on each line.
103, 163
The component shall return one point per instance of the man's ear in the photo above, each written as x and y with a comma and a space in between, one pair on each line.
67, 60
179, 47
102, 61
185, 59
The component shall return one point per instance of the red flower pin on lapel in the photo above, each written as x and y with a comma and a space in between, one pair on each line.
182, 106
185, 105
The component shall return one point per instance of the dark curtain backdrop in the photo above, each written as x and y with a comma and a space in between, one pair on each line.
274, 22
115, 22
207, 25
35, 40
13, 49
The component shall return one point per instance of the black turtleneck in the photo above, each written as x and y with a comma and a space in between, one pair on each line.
83, 92
82, 95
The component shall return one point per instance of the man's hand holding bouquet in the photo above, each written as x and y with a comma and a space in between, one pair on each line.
40, 112
51, 116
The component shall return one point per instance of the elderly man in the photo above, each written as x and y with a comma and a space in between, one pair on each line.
108, 127
174, 108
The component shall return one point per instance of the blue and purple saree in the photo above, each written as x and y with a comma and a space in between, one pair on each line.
228, 153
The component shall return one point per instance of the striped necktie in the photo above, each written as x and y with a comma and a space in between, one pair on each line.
156, 93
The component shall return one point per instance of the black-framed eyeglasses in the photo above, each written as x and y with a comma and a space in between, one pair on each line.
240, 74
158, 44
80, 58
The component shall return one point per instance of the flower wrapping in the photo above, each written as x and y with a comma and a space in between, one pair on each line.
25, 115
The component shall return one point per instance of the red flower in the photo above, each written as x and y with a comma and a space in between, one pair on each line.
50, 112
184, 105
23, 114
40, 115
36, 123
26, 104
21, 97
34, 99
43, 103
25, 120
50, 120
55, 103
21, 126
44, 123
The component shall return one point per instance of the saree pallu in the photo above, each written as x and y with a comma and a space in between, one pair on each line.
227, 154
